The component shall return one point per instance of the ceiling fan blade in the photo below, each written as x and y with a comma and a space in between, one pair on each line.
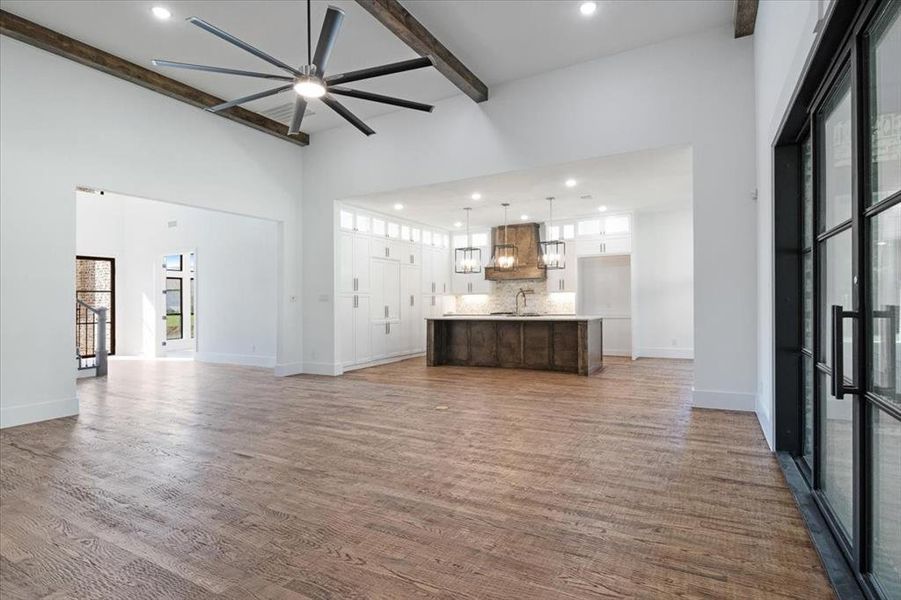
243, 45
300, 107
398, 67
330, 26
180, 65
352, 118
380, 98
251, 97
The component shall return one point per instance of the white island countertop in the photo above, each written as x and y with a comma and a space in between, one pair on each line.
516, 318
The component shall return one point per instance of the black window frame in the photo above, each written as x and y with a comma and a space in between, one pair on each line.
111, 316
181, 303
841, 47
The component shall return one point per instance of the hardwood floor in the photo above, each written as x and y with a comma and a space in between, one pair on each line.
186, 480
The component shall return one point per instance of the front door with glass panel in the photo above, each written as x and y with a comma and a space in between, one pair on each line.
850, 265
177, 314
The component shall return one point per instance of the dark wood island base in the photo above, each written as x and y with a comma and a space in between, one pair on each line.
572, 344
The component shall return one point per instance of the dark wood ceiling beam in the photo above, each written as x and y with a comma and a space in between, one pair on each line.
46, 39
401, 23
745, 17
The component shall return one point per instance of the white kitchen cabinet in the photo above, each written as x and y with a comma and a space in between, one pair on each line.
566, 279
399, 250
379, 337
609, 244
345, 262
346, 350
353, 263
385, 290
410, 310
378, 247
387, 340
435, 271
361, 264
390, 275
354, 330
411, 255
441, 269
472, 283
617, 244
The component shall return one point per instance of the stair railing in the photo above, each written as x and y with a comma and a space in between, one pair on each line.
90, 334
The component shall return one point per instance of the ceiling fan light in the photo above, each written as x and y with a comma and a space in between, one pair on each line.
309, 87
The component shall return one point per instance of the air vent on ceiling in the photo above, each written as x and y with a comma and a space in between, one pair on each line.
282, 113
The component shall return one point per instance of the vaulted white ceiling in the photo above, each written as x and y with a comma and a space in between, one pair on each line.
499, 40
656, 179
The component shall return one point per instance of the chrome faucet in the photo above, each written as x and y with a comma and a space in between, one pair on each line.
522, 292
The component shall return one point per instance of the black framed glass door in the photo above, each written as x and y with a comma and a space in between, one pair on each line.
845, 428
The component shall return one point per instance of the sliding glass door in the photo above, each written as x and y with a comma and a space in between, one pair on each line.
882, 241
849, 189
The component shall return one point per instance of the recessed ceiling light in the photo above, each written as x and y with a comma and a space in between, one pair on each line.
160, 12
476, 196
524, 217
570, 183
588, 8
398, 206
602, 208
458, 224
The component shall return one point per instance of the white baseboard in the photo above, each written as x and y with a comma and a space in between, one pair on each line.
766, 424
617, 352
11, 416
723, 400
321, 368
288, 369
666, 352
247, 360
382, 361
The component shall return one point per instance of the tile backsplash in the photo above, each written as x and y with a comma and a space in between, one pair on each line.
503, 298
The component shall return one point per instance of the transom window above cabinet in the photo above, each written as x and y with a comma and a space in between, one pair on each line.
477, 240
363, 223
427, 237
346, 219
415, 234
378, 227
589, 227
612, 225
393, 230
405, 233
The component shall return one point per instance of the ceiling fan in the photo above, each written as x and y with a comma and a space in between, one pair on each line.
310, 81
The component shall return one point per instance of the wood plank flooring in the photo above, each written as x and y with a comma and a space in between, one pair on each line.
187, 480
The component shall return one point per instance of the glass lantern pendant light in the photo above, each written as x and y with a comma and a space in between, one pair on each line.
504, 255
551, 253
467, 260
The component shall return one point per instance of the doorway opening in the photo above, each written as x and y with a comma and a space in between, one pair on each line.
179, 290
190, 283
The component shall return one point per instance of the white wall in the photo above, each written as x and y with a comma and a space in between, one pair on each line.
695, 90
63, 125
783, 39
236, 283
664, 277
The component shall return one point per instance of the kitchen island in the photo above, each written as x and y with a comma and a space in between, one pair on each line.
568, 343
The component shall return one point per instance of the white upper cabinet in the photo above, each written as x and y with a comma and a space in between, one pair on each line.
353, 263
345, 262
